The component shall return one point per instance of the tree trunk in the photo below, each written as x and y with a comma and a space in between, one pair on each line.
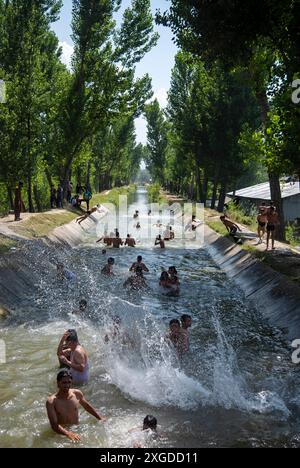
205, 189
37, 199
78, 175
48, 175
277, 199
199, 194
88, 176
29, 193
222, 197
214, 195
10, 198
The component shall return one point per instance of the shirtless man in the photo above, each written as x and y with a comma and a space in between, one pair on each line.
106, 239
176, 337
108, 269
262, 220
139, 263
186, 321
161, 242
82, 308
174, 280
273, 222
263, 209
117, 334
74, 356
117, 241
63, 407
231, 227
130, 241
167, 235
63, 273
138, 281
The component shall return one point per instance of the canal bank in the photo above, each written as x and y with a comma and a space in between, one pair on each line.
276, 298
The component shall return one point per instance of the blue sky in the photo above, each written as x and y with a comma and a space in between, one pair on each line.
158, 63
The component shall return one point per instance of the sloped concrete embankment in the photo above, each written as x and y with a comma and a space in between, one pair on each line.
20, 269
277, 298
73, 234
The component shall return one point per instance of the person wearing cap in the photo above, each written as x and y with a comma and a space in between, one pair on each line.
63, 407
19, 206
108, 269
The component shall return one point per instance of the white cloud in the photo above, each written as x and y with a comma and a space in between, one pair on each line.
67, 52
162, 96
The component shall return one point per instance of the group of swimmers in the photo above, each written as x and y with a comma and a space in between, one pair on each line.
169, 281
63, 406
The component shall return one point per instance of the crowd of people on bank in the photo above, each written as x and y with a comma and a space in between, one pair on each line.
268, 222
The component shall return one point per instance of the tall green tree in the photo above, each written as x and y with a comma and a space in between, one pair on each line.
157, 134
103, 86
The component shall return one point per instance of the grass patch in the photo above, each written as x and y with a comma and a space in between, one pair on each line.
287, 266
6, 244
155, 194
219, 227
42, 224
113, 195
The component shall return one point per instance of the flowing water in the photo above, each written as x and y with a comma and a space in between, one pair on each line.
236, 387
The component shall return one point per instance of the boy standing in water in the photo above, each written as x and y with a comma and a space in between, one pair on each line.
160, 241
74, 357
108, 269
139, 263
130, 241
62, 408
186, 321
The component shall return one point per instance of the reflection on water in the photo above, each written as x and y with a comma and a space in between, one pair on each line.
236, 386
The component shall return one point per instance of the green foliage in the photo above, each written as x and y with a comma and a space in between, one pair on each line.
293, 234
113, 195
59, 125
243, 214
154, 193
157, 140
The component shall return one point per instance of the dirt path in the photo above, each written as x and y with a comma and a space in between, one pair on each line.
284, 259
8, 224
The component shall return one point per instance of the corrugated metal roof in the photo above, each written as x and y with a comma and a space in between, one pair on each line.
262, 191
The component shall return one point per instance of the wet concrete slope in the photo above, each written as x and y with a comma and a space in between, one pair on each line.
273, 294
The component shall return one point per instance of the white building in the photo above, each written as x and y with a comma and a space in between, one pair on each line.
261, 192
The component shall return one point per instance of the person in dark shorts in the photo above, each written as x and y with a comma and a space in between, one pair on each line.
273, 222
